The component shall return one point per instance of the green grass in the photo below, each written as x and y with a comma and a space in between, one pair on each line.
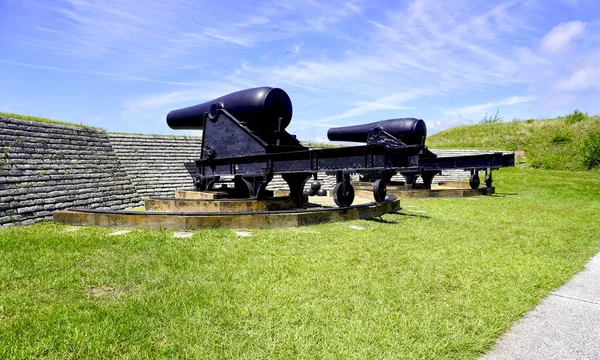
565, 143
44, 120
441, 279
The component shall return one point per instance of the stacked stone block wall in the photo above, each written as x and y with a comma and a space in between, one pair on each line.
46, 167
157, 164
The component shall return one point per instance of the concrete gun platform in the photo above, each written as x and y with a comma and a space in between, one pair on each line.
184, 214
446, 189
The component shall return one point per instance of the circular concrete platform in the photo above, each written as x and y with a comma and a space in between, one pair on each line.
220, 205
247, 219
443, 189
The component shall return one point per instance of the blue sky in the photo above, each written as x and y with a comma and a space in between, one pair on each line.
123, 65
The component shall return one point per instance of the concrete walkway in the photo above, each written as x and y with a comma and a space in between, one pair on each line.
565, 325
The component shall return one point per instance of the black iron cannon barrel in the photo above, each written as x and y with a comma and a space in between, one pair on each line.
410, 131
260, 108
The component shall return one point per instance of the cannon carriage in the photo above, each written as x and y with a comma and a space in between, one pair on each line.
245, 137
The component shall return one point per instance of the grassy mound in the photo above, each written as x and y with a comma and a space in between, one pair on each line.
565, 143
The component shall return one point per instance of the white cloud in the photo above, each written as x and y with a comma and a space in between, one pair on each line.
341, 61
528, 57
480, 109
587, 78
392, 102
98, 73
557, 40
178, 98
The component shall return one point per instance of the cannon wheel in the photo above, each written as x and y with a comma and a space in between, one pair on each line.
488, 180
343, 194
474, 181
379, 190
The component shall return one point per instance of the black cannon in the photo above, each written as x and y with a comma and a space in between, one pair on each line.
245, 137
265, 111
410, 131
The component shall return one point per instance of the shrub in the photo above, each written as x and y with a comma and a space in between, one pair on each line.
496, 118
591, 150
561, 138
576, 117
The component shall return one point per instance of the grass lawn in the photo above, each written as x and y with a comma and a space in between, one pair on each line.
441, 279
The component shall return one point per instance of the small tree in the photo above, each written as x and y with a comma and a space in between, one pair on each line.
575, 117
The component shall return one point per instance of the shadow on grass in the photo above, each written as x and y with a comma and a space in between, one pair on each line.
384, 221
502, 195
414, 215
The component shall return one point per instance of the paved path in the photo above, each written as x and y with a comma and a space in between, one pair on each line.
565, 325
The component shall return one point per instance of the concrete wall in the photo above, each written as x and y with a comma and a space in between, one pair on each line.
46, 167
157, 164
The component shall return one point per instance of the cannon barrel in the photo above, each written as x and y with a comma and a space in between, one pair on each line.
260, 108
408, 130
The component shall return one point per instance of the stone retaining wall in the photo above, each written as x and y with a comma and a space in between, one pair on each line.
157, 164
46, 167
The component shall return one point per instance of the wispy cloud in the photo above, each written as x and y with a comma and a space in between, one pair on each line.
435, 45
342, 62
162, 103
155, 33
584, 77
392, 102
557, 40
97, 73
480, 109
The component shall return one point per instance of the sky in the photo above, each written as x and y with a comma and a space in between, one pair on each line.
123, 65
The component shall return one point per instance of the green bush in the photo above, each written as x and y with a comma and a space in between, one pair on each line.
496, 118
561, 138
591, 150
576, 117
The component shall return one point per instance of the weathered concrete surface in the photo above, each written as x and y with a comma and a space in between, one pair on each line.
199, 195
366, 190
185, 221
220, 205
565, 325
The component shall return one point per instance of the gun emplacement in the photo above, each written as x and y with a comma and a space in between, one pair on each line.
245, 137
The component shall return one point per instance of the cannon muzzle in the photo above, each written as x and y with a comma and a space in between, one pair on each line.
408, 130
260, 108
